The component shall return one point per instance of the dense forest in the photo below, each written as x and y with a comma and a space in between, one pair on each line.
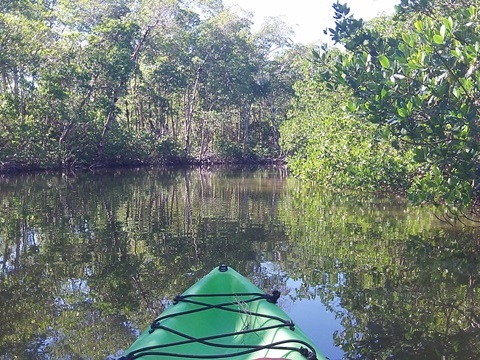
395, 104
391, 103
134, 82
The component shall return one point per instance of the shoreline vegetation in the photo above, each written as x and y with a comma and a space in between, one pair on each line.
99, 83
137, 83
15, 168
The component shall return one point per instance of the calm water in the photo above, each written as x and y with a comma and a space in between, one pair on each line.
87, 261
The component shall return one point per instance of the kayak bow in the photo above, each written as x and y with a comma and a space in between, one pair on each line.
223, 316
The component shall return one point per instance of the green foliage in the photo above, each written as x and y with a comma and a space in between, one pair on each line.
165, 149
327, 145
422, 83
114, 82
228, 149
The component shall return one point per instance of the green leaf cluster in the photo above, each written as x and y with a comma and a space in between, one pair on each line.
421, 83
326, 144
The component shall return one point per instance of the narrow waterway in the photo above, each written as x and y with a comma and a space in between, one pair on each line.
88, 260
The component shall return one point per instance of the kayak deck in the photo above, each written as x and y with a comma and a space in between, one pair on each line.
223, 316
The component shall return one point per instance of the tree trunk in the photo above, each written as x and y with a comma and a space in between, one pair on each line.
107, 125
190, 97
275, 130
245, 119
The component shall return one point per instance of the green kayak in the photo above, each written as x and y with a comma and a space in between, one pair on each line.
223, 316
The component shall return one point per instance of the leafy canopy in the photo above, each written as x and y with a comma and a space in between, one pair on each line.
421, 81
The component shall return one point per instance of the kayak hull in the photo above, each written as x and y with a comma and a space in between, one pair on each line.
223, 316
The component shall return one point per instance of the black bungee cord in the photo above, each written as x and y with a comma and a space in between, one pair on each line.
155, 350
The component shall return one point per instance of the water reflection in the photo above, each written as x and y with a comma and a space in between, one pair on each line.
88, 260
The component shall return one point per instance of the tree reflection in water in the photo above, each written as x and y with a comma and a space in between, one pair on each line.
88, 260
